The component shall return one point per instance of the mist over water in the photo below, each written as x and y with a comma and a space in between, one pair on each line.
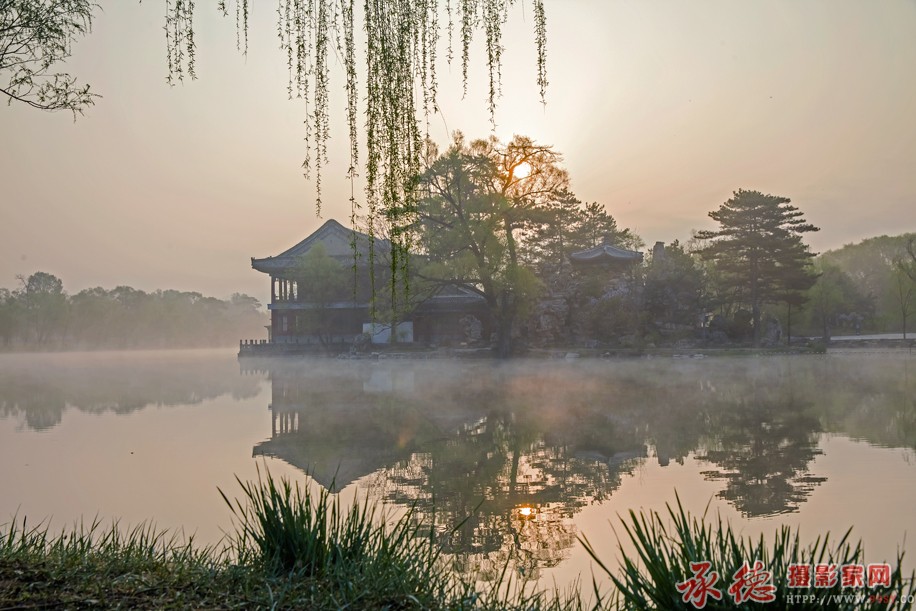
531, 454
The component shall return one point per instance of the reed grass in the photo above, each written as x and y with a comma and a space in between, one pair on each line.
667, 544
291, 532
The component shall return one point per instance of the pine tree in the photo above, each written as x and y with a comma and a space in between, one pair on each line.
759, 248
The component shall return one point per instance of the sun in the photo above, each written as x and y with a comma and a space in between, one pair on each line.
522, 170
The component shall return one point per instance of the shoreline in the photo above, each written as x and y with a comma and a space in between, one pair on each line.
805, 346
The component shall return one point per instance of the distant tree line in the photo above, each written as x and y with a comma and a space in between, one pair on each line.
869, 286
39, 314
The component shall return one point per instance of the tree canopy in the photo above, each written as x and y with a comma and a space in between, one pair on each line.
673, 288
476, 205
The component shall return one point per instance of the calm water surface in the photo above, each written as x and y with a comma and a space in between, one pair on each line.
536, 453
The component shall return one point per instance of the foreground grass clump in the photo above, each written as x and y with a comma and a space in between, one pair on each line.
667, 545
94, 566
288, 532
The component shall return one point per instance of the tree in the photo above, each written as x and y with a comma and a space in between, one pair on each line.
673, 289
904, 293
594, 225
794, 282
721, 297
476, 206
93, 316
44, 303
401, 51
869, 262
909, 266
834, 297
758, 247
548, 242
794, 293
9, 315
905, 279
563, 226
40, 311
35, 37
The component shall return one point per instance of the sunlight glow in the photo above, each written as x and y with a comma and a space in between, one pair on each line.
522, 170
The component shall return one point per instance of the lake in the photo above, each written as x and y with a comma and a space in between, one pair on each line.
530, 454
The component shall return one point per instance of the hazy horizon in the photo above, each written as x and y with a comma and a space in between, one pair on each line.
661, 110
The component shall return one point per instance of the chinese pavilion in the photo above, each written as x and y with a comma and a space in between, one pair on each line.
304, 316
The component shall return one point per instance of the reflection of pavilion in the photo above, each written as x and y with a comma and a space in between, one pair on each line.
319, 451
341, 426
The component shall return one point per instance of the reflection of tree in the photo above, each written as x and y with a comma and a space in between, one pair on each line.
763, 449
42, 407
489, 472
40, 388
871, 398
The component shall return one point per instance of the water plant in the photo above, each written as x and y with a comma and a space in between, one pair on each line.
289, 531
667, 545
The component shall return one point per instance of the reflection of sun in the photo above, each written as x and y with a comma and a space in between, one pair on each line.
522, 170
526, 512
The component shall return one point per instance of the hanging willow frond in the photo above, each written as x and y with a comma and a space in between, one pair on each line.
401, 51
179, 40
540, 34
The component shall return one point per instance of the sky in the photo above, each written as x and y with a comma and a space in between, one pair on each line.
661, 109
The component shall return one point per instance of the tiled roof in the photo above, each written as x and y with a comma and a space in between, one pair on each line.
606, 252
338, 242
